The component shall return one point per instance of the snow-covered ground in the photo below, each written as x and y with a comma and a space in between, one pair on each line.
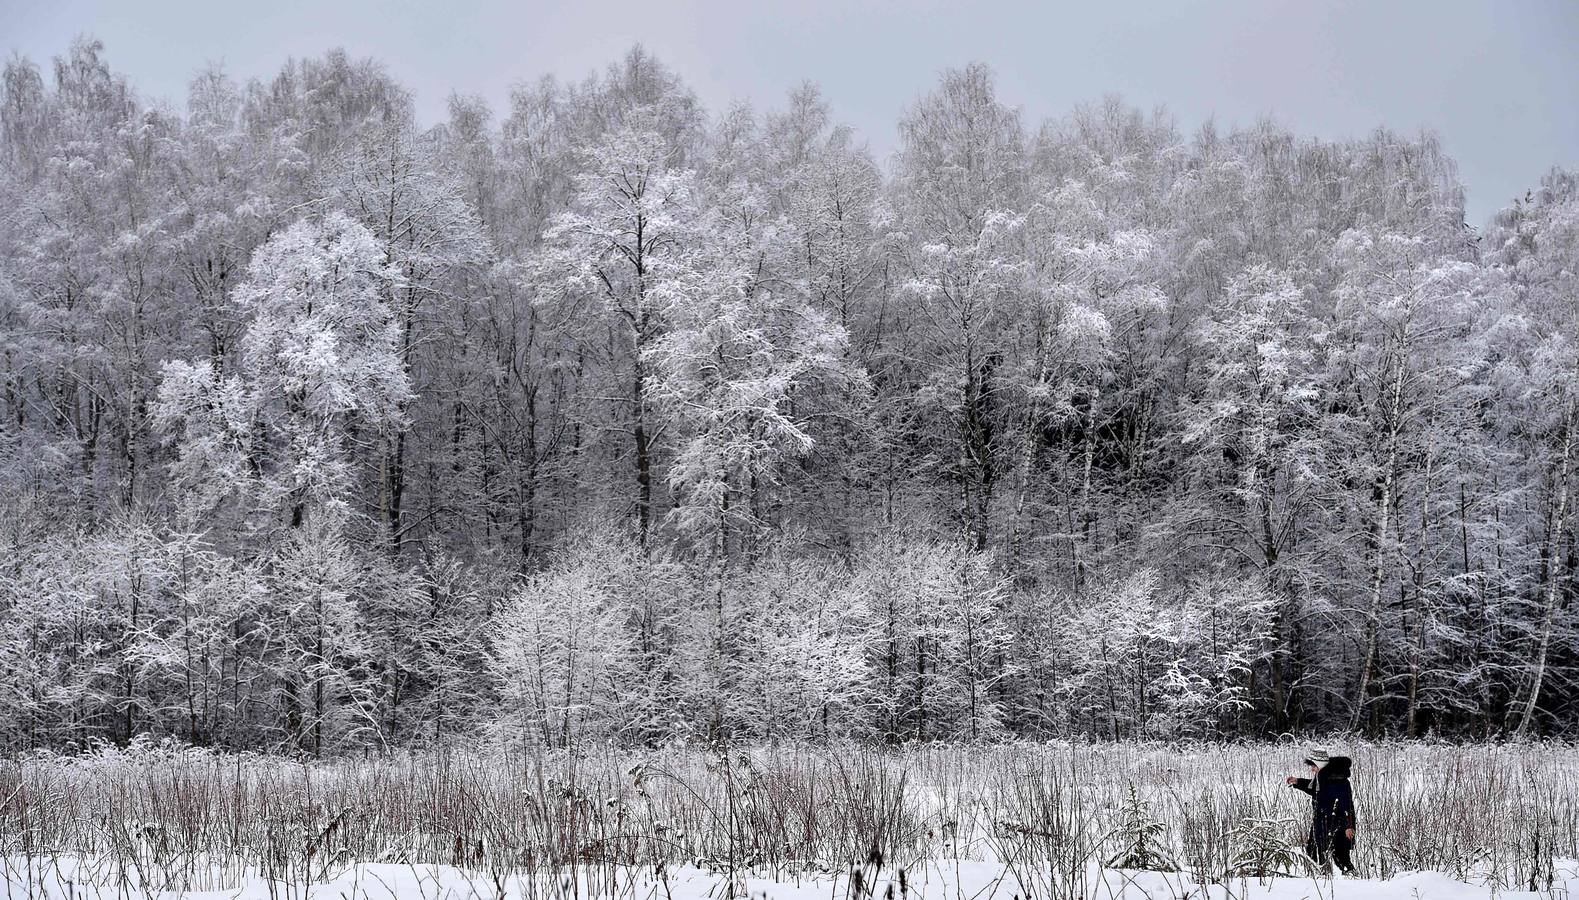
1022, 822
68, 879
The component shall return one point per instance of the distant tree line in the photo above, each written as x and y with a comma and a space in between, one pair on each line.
604, 417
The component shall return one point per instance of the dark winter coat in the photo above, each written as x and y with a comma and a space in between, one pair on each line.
1332, 800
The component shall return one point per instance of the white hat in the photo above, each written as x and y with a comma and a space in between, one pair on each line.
1318, 757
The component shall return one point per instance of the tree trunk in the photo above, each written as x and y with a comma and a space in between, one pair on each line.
1552, 595
643, 452
1379, 543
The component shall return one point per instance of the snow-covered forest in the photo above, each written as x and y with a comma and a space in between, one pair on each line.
604, 416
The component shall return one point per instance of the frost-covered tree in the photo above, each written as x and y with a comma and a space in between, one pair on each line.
323, 660
564, 653
941, 640
391, 182
1537, 247
807, 666
320, 366
960, 199
1399, 302
633, 214
1257, 451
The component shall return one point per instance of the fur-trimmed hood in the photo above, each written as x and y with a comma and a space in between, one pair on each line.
1336, 769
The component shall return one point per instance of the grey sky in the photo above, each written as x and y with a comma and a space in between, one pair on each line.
1498, 80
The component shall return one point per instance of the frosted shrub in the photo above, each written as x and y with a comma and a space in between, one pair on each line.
1141, 838
1261, 849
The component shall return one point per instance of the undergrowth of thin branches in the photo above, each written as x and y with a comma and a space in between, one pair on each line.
569, 824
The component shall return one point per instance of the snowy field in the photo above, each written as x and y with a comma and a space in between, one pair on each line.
934, 880
936, 823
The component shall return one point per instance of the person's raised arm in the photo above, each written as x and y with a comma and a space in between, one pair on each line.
1300, 784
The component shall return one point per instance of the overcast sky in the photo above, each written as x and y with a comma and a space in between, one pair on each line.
1499, 81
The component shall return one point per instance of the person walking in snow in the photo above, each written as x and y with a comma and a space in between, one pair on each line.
1332, 802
